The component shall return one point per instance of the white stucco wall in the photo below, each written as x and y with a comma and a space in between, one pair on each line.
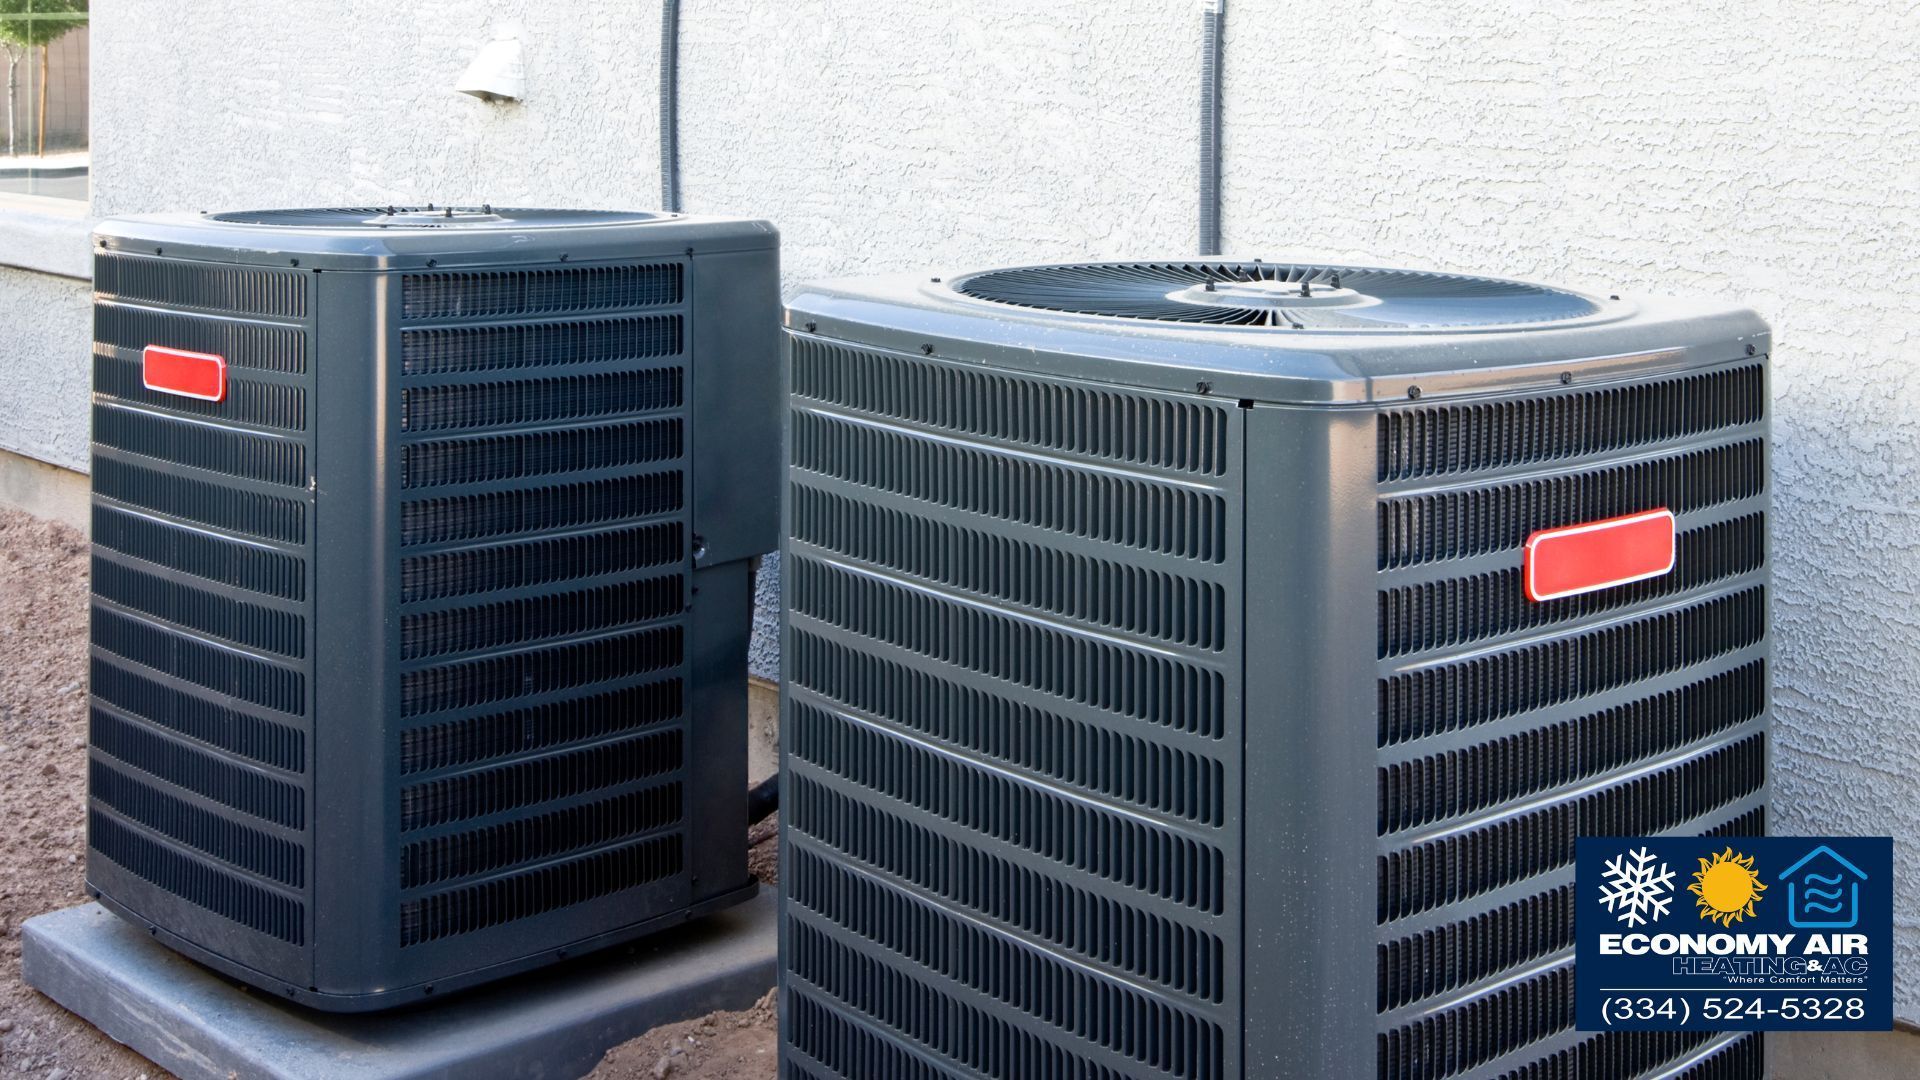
44, 374
1761, 150
223, 103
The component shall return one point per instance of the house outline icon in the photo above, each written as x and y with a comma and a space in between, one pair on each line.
1850, 911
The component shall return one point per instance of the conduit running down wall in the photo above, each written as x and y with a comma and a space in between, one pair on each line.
670, 105
1213, 23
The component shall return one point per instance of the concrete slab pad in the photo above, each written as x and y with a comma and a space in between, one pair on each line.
553, 1024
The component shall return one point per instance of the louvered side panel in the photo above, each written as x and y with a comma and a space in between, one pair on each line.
545, 560
200, 817
1012, 725
1507, 728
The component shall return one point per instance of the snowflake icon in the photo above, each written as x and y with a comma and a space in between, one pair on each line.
1636, 889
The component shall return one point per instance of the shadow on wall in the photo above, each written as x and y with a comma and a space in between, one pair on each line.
1846, 611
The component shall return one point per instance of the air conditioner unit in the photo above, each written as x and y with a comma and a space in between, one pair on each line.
422, 546
1165, 694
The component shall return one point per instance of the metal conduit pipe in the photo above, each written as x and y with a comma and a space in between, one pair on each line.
670, 105
1213, 19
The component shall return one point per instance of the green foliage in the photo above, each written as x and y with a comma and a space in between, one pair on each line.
37, 22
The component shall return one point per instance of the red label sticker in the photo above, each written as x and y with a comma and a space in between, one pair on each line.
188, 374
1599, 555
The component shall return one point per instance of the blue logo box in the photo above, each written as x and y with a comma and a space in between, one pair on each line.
1773, 933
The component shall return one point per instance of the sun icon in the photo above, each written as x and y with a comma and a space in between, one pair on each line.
1727, 887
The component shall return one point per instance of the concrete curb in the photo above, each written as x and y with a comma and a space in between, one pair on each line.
549, 1025
44, 490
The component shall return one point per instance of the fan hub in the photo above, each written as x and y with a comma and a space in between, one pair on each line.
447, 216
1272, 295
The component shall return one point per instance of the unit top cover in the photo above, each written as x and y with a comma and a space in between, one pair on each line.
407, 236
1278, 331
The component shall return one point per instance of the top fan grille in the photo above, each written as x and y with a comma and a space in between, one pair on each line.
1286, 295
431, 217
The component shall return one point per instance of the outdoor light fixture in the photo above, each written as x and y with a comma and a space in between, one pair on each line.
498, 72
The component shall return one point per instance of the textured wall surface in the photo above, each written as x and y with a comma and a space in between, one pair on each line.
350, 101
44, 331
1761, 150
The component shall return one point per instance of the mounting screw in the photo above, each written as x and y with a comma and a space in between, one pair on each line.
1566, 377
427, 989
486, 208
295, 262
563, 256
1299, 326
1336, 279
433, 262
1751, 350
1208, 286
811, 327
689, 252
1413, 392
1203, 386
927, 349
156, 251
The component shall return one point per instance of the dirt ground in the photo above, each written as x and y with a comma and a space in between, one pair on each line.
43, 780
43, 652
719, 1046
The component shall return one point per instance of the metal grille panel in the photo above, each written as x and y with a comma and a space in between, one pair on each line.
202, 690
1451, 439
1416, 529
123, 330
1024, 413
1507, 727
234, 290
491, 294
1010, 725
546, 344
514, 811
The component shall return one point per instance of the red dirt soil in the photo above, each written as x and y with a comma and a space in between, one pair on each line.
43, 757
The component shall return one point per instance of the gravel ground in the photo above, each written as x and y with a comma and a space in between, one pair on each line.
43, 653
